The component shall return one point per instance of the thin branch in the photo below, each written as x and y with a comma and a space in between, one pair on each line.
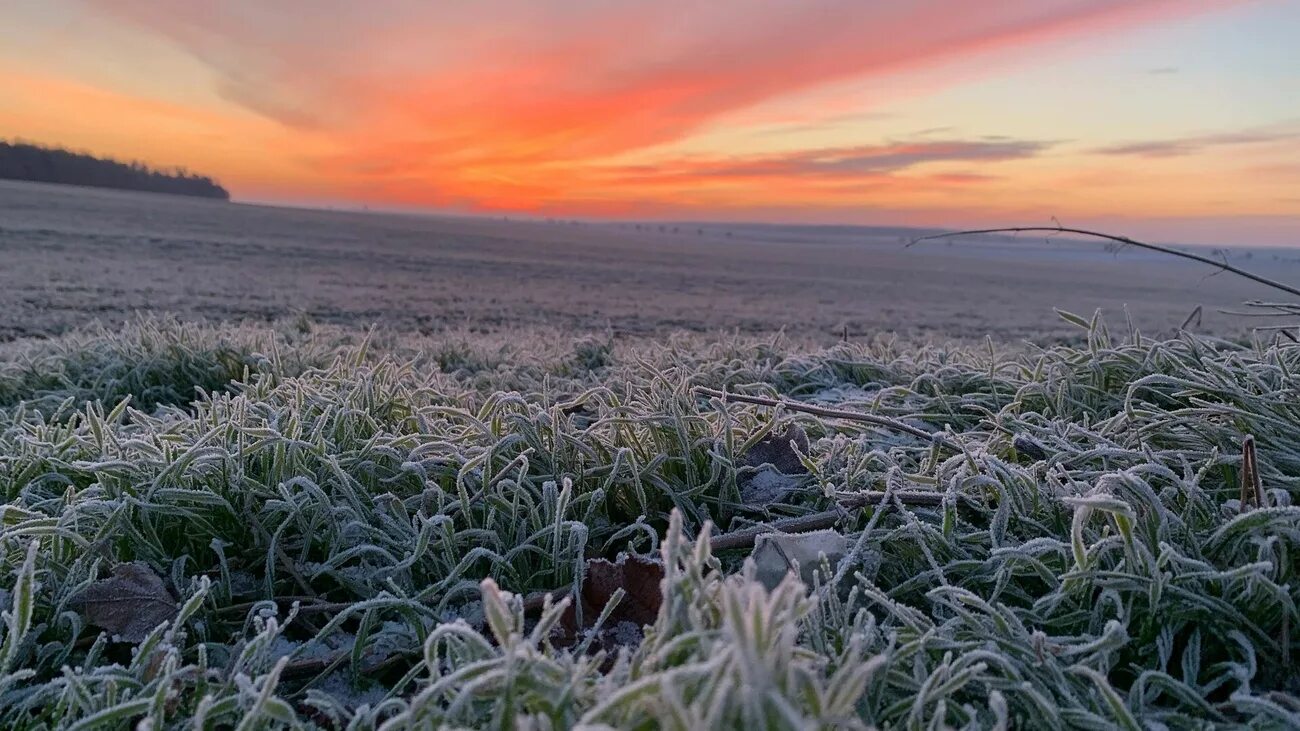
535, 601
318, 665
873, 419
816, 521
1221, 265
306, 605
1280, 309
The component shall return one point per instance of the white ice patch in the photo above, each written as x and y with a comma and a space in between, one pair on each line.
627, 634
471, 612
339, 687
767, 486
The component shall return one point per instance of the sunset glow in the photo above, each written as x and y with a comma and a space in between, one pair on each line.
1180, 119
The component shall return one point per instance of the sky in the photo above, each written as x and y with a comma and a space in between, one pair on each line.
1176, 120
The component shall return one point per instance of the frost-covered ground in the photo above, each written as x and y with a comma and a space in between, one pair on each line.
69, 254
217, 526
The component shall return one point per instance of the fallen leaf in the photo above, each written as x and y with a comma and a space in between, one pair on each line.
777, 554
130, 604
775, 449
639, 577
771, 467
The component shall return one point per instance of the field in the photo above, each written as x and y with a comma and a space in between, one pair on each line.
71, 253
507, 517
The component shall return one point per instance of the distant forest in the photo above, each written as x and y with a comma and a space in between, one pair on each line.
21, 161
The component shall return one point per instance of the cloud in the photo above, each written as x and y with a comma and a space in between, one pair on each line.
516, 103
1181, 146
862, 162
662, 67
901, 156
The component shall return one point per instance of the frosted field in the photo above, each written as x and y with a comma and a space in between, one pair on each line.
362, 532
523, 502
72, 254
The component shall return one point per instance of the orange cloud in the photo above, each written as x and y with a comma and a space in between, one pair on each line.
510, 104
572, 107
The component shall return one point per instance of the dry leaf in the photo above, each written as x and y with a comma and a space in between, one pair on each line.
771, 468
775, 449
776, 554
130, 604
1252, 487
639, 577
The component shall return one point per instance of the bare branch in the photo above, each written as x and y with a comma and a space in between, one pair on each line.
802, 524
1221, 265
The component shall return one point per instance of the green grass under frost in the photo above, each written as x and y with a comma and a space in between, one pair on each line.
348, 522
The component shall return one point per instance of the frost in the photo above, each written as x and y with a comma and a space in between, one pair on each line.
766, 486
996, 588
771, 467
129, 604
776, 554
626, 634
470, 612
243, 584
339, 687
843, 394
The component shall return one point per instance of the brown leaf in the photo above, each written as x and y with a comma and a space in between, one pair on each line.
130, 604
639, 577
771, 468
1252, 487
775, 449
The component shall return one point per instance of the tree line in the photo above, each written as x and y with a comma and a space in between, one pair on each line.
38, 164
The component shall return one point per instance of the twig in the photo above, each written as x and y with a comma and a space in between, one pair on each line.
306, 605
317, 665
1221, 265
1278, 310
873, 419
816, 521
313, 666
743, 538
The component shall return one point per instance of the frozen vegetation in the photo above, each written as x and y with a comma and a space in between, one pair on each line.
326, 527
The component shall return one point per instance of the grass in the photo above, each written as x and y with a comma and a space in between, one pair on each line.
349, 522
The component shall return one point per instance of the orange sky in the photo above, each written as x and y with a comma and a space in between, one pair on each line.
1170, 118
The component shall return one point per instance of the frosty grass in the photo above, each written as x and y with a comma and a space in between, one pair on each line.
349, 521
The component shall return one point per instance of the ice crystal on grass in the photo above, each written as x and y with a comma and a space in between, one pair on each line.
357, 529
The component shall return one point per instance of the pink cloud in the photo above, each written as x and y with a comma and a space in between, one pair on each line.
505, 100
1179, 146
861, 163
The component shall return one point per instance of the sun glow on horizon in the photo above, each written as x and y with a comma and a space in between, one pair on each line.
1174, 118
